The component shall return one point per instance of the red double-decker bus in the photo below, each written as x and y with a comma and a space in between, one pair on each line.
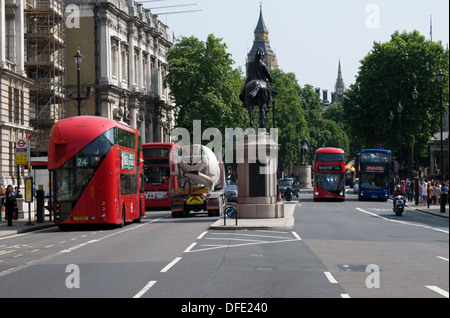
95, 168
329, 174
158, 181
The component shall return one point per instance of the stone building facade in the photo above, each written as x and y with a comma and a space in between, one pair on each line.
122, 72
14, 88
124, 47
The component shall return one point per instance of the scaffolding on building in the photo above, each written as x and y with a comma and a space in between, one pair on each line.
45, 64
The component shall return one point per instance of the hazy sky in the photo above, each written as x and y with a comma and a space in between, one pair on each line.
308, 36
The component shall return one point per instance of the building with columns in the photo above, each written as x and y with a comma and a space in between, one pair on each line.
14, 87
124, 47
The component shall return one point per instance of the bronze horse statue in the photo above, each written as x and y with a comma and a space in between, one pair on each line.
255, 92
257, 95
304, 150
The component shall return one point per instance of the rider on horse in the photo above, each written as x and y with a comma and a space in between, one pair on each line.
258, 72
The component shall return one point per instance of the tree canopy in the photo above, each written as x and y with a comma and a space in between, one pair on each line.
203, 84
387, 77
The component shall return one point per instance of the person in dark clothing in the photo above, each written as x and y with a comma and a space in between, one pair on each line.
256, 70
10, 203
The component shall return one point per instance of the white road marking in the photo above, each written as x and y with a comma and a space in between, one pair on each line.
438, 290
330, 277
169, 266
297, 236
145, 289
403, 222
190, 247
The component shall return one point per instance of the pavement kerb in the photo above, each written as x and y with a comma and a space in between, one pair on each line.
277, 224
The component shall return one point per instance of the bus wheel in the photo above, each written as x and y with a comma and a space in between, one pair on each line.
138, 220
122, 224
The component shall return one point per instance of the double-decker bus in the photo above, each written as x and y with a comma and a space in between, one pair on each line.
329, 174
95, 168
158, 180
373, 167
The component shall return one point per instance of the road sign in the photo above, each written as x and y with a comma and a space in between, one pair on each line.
21, 152
230, 211
21, 144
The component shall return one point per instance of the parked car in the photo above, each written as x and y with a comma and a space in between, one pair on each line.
356, 186
232, 193
285, 183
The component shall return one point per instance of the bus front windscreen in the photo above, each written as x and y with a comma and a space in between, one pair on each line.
330, 181
73, 177
330, 157
156, 175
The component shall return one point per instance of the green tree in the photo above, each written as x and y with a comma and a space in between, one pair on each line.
289, 116
323, 132
335, 112
386, 77
204, 85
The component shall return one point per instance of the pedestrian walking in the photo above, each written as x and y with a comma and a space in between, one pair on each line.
2, 200
437, 192
10, 203
445, 196
408, 190
423, 193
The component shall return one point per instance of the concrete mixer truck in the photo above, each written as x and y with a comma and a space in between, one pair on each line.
201, 185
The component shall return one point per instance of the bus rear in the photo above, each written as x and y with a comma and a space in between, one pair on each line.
329, 174
95, 165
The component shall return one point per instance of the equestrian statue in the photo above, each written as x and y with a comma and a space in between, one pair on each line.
304, 150
256, 92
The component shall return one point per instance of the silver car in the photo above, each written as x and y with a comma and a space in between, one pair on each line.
232, 193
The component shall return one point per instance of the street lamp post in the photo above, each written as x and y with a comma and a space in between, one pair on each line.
400, 109
415, 96
78, 58
440, 78
391, 119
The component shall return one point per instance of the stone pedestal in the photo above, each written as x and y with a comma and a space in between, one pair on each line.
304, 177
257, 159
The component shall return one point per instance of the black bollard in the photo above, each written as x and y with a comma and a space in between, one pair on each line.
40, 206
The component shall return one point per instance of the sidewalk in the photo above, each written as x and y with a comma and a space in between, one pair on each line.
20, 225
433, 209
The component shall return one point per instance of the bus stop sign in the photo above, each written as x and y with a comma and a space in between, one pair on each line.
22, 152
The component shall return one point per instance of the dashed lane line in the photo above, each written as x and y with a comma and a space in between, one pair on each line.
403, 222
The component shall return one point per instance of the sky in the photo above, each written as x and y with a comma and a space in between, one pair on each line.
309, 37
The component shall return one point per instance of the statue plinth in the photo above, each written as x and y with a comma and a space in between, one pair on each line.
304, 176
257, 160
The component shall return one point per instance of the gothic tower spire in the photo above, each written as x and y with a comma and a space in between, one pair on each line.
339, 87
261, 40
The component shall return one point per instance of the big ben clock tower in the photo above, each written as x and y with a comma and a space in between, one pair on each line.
262, 41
